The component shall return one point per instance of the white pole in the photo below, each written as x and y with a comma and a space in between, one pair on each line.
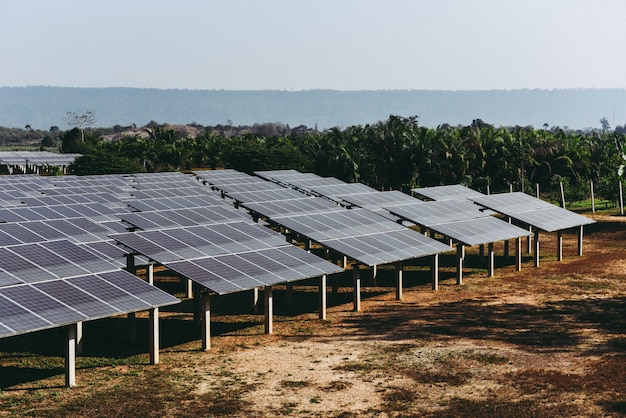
593, 200
621, 199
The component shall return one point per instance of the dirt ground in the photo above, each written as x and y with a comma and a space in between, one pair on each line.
543, 342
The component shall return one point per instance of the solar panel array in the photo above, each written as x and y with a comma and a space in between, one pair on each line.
449, 192
57, 263
56, 283
532, 211
227, 258
37, 158
362, 235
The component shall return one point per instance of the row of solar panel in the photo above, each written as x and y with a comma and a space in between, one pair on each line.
42, 305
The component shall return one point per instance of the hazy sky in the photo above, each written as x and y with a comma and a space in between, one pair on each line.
314, 44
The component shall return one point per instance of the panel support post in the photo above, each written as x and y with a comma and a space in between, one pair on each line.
269, 309
492, 259
621, 199
374, 274
435, 271
518, 253
356, 287
70, 356
536, 239
323, 297
345, 261
580, 240
559, 246
399, 281
150, 273
255, 300
188, 288
460, 255
206, 322
79, 338
154, 335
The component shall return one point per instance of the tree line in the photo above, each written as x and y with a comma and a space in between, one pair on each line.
396, 153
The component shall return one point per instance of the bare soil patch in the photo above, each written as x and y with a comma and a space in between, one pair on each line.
542, 342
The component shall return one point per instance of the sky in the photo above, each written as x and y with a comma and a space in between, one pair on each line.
314, 44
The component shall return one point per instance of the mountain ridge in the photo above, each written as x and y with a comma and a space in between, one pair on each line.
45, 106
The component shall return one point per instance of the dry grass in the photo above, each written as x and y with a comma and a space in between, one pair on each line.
542, 342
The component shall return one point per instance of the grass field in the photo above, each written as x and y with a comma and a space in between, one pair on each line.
543, 342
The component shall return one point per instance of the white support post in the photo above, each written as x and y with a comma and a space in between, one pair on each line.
518, 254
460, 255
492, 260
537, 190
255, 300
356, 287
435, 271
562, 195
559, 246
323, 297
269, 310
621, 199
206, 322
79, 338
345, 261
580, 241
188, 288
374, 274
399, 281
593, 199
70, 356
536, 239
150, 273
154, 335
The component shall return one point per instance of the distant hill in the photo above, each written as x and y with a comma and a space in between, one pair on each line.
43, 107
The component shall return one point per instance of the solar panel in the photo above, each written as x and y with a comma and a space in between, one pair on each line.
235, 272
194, 272
181, 248
142, 245
532, 211
150, 295
438, 212
378, 200
450, 192
120, 299
293, 207
17, 319
44, 305
512, 202
480, 230
272, 195
79, 255
88, 304
48, 260
22, 268
346, 223
552, 219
